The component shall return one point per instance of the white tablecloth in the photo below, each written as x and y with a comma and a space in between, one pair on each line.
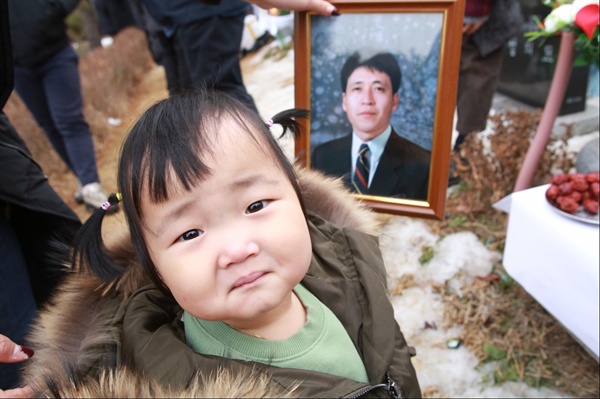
556, 259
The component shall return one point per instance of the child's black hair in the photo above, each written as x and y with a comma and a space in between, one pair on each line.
174, 135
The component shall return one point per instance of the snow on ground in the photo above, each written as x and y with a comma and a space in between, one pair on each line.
458, 258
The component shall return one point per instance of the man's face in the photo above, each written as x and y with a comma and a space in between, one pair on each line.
369, 102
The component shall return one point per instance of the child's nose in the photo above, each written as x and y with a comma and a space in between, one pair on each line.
237, 251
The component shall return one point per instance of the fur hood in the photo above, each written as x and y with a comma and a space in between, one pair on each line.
73, 333
122, 383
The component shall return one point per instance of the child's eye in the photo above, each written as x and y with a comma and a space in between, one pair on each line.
190, 235
256, 206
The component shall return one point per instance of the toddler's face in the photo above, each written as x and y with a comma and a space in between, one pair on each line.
234, 246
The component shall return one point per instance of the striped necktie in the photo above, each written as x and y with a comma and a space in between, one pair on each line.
360, 180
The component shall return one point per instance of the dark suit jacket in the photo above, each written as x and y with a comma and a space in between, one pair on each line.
403, 170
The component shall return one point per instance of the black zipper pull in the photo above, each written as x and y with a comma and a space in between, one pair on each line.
392, 388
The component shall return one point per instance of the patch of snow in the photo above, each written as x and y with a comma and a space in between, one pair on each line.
460, 255
458, 258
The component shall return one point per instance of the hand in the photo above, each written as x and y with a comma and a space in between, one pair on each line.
321, 7
13, 353
25, 392
470, 28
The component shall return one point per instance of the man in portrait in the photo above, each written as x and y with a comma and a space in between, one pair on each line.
373, 159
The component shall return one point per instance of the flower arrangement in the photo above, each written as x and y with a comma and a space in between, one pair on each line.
578, 16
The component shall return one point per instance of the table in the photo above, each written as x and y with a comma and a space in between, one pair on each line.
556, 260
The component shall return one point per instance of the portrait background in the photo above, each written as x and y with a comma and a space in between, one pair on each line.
414, 38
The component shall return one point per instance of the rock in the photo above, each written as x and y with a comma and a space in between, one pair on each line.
588, 159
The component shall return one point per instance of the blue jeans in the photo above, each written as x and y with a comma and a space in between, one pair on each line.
17, 304
52, 92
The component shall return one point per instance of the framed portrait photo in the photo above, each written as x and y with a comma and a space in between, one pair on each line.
380, 83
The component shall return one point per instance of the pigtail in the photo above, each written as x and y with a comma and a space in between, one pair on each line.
288, 120
89, 251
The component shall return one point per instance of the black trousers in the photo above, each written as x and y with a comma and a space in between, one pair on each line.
211, 47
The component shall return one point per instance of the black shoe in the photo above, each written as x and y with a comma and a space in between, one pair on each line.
453, 178
453, 181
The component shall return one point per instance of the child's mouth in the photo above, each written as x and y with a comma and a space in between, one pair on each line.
247, 279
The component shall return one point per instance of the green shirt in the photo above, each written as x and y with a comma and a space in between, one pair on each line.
322, 344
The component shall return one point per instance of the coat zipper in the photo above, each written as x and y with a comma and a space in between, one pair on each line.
390, 387
364, 390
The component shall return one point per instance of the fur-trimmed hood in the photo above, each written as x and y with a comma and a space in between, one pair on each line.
123, 383
74, 333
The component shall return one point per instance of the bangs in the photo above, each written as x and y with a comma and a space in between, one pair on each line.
168, 147
168, 142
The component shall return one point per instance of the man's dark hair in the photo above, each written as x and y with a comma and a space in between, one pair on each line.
381, 61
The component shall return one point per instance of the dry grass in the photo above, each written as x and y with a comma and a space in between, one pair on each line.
502, 323
493, 161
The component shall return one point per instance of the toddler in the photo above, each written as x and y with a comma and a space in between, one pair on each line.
229, 269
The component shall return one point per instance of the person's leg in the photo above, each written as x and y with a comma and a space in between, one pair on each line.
31, 91
212, 51
173, 60
477, 82
17, 304
184, 77
63, 93
105, 24
120, 14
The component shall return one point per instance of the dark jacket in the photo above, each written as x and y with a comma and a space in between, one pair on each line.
174, 13
37, 214
132, 324
403, 170
38, 29
504, 22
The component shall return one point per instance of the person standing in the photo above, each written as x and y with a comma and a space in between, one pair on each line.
210, 36
31, 214
487, 27
47, 80
205, 38
164, 48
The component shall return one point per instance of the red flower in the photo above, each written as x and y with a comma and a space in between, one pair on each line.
587, 18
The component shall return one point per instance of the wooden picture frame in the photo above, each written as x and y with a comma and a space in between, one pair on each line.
425, 38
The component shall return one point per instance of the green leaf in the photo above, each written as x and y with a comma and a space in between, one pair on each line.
511, 375
493, 352
427, 254
457, 221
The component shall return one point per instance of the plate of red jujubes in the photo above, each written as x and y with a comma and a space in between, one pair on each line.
575, 195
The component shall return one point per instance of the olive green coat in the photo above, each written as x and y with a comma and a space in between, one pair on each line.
132, 324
